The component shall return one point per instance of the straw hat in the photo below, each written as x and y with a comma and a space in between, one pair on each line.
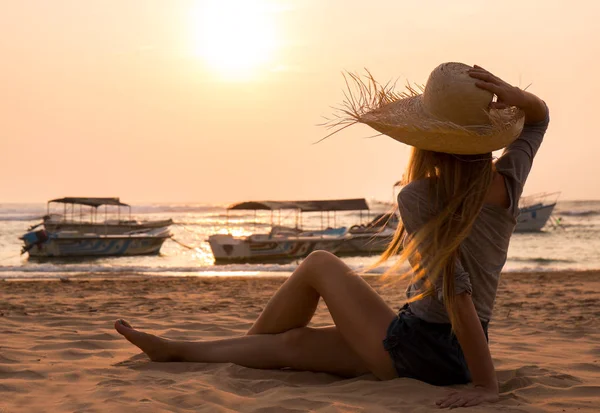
450, 114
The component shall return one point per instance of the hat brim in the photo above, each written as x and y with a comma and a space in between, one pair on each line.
403, 117
407, 121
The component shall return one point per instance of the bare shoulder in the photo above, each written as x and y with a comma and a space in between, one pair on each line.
497, 194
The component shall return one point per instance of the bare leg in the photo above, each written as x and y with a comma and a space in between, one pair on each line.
310, 349
292, 306
360, 315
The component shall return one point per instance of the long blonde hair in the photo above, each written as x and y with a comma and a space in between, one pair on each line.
458, 186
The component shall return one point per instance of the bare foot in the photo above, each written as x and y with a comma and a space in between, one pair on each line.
156, 348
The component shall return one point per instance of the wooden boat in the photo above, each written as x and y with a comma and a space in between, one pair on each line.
284, 243
81, 234
42, 243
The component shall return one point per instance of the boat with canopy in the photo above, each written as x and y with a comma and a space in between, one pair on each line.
83, 214
283, 243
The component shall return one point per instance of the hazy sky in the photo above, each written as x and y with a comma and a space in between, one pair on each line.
219, 101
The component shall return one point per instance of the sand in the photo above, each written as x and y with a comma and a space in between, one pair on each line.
59, 353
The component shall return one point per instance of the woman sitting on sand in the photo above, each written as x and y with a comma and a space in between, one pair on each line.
458, 210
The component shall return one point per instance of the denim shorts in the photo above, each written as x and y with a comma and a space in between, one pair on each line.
426, 351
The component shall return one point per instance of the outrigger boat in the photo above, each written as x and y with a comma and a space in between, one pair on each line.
285, 243
87, 221
83, 235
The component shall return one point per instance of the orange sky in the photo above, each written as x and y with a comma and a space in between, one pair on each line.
127, 98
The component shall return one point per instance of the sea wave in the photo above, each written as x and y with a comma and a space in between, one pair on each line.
49, 270
212, 223
584, 213
140, 269
24, 217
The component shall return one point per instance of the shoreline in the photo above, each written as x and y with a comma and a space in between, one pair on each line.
127, 275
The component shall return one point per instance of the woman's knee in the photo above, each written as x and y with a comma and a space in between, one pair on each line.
323, 263
320, 257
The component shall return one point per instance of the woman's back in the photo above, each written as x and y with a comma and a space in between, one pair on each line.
483, 252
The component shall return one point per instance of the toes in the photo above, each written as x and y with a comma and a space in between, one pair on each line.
125, 323
122, 326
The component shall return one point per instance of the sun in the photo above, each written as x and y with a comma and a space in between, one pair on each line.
234, 37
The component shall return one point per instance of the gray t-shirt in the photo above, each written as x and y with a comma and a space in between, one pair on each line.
483, 252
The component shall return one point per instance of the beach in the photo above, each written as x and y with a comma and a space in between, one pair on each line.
59, 352
173, 163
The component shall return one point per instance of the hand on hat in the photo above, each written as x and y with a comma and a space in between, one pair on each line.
508, 95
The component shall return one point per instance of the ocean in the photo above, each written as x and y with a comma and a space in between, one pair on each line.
572, 245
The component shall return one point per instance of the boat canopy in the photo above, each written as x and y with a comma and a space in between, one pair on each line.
355, 204
93, 202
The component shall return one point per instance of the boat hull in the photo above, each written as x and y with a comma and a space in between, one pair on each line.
97, 248
227, 249
74, 244
366, 243
534, 218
